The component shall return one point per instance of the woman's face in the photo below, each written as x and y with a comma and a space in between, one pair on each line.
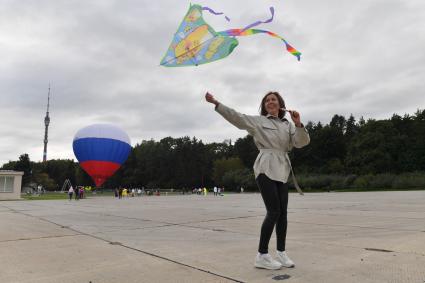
272, 105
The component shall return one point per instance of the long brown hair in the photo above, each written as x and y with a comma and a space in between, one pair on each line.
263, 110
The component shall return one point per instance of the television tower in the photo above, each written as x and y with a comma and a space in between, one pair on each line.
46, 124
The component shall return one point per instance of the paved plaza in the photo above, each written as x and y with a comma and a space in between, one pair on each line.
332, 237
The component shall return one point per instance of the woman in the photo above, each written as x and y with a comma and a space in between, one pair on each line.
274, 136
70, 192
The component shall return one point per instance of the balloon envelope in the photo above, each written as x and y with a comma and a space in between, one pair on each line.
101, 149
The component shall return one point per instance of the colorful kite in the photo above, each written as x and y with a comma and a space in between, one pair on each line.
195, 42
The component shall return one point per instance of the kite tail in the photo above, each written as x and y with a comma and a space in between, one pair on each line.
248, 26
215, 13
260, 22
245, 32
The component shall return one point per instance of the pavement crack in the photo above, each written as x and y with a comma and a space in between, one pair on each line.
132, 248
378, 250
39, 238
220, 219
304, 242
367, 215
187, 224
180, 263
355, 226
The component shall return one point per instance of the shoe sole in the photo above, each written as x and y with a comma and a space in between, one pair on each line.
288, 266
266, 267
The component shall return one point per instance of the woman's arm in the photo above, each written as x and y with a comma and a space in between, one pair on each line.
241, 121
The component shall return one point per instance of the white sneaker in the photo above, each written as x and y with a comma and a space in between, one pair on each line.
266, 261
284, 260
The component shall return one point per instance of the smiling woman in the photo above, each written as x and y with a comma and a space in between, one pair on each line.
274, 136
274, 104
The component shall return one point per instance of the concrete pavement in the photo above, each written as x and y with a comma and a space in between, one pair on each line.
332, 237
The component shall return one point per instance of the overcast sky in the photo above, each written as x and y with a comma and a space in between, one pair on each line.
364, 57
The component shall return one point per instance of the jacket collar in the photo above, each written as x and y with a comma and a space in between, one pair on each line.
268, 116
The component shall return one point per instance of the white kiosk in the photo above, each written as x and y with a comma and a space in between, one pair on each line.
10, 184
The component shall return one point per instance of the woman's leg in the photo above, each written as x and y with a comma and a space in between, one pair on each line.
282, 223
268, 189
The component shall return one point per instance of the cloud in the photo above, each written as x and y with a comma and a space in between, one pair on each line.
102, 61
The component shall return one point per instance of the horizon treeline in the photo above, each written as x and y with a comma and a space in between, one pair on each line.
345, 153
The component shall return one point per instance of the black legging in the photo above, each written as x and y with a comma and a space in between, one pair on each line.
275, 196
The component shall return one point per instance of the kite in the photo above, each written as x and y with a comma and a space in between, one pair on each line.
196, 42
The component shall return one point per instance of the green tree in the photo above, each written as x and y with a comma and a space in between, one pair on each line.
351, 129
60, 170
375, 149
246, 150
44, 180
24, 165
234, 180
222, 166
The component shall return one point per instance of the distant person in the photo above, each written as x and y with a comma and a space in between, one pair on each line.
241, 190
70, 192
274, 136
215, 191
77, 193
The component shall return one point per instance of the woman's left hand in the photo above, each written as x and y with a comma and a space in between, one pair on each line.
296, 118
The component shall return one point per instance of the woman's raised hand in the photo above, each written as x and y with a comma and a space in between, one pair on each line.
295, 116
210, 98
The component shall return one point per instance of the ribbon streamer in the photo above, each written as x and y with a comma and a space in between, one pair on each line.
215, 13
260, 22
246, 32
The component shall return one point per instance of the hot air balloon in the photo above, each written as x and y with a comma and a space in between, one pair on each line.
101, 149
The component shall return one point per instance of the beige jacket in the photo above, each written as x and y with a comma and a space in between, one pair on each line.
273, 137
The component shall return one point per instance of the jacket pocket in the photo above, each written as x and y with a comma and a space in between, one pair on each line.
268, 126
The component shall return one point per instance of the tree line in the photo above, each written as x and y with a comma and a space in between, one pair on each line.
342, 154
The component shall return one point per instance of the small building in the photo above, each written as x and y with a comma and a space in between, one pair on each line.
10, 184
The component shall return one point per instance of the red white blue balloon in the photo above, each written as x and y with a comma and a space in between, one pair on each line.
101, 149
